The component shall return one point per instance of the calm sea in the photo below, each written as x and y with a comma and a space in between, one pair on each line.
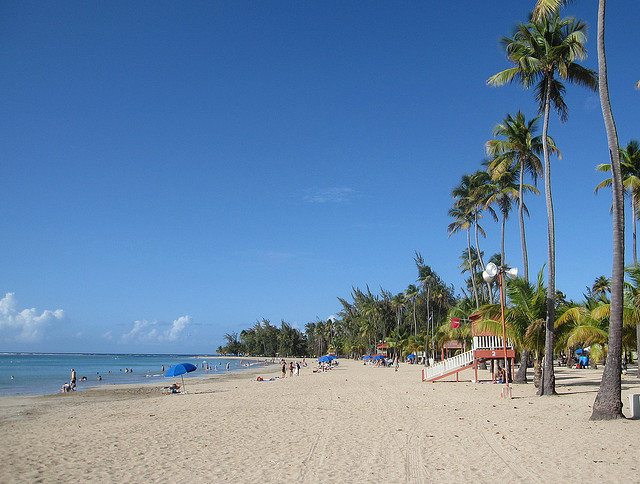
40, 374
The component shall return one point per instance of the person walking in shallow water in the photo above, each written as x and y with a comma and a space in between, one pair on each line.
73, 379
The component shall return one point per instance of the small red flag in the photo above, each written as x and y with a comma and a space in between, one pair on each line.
455, 323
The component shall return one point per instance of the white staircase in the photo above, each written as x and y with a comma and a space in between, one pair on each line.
447, 366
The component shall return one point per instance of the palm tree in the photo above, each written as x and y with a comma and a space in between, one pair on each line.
368, 329
578, 327
368, 311
630, 164
463, 334
601, 286
412, 294
470, 263
501, 193
398, 304
471, 195
520, 148
608, 402
463, 221
528, 309
540, 50
633, 291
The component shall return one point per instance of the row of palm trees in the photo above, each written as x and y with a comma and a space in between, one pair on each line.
407, 322
544, 54
264, 338
578, 325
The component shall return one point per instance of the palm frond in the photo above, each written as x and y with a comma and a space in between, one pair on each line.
586, 335
503, 77
544, 8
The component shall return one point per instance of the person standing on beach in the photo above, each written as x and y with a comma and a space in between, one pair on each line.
73, 379
284, 369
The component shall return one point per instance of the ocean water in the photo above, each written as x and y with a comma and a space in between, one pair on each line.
41, 374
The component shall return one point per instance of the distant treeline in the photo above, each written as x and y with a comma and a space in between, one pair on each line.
406, 321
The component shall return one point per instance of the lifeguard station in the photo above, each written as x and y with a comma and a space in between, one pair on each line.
485, 348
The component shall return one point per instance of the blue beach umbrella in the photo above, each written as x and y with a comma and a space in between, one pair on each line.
332, 357
366, 357
411, 357
322, 359
179, 370
379, 357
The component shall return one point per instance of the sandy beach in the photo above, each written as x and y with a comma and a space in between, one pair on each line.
352, 424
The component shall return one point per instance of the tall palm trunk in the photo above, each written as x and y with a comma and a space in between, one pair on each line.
473, 274
548, 386
415, 316
504, 226
428, 304
523, 239
635, 249
427, 334
397, 331
428, 314
521, 375
608, 402
635, 263
489, 293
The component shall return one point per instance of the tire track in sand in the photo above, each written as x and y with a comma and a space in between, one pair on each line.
320, 445
415, 469
510, 462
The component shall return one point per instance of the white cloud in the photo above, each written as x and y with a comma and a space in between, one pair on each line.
330, 195
154, 331
25, 325
177, 327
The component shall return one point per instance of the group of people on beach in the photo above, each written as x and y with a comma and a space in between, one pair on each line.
71, 386
294, 368
385, 362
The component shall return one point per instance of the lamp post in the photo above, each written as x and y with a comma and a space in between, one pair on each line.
490, 272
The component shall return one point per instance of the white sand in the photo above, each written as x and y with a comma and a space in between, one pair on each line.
352, 424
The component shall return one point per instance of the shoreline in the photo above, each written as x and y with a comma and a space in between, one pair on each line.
352, 423
40, 382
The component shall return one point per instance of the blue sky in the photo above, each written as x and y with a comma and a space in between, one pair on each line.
172, 171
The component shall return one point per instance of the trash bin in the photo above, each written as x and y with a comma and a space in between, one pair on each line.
634, 405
